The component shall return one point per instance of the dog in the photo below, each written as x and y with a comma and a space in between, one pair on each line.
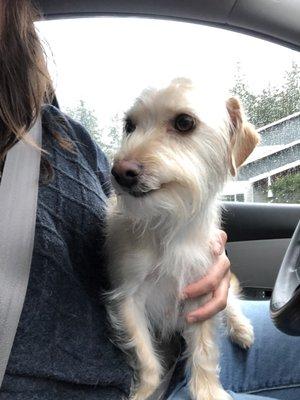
177, 152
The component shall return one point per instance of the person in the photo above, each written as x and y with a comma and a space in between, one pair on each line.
62, 349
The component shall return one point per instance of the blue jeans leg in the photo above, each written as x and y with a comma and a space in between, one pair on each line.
271, 368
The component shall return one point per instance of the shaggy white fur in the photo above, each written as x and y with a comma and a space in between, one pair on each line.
161, 224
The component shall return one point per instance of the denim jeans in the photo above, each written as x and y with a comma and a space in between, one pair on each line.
270, 369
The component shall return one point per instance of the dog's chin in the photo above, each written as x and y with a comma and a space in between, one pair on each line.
134, 192
141, 194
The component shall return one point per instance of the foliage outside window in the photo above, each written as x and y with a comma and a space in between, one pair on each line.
286, 189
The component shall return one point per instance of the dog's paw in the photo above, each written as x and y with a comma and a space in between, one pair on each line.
142, 393
146, 387
217, 393
243, 334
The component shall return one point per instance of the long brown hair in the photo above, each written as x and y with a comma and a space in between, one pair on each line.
25, 83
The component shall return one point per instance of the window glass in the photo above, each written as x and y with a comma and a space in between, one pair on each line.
99, 65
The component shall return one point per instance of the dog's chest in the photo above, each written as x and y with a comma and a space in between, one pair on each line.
162, 302
163, 287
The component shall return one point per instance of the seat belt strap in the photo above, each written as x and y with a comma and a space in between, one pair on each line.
18, 205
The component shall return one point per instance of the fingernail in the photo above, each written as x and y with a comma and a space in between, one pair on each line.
191, 319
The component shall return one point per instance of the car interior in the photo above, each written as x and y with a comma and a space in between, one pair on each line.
244, 56
258, 233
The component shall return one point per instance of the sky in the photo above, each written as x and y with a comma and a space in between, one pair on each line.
107, 61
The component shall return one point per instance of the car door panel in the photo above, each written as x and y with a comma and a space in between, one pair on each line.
258, 236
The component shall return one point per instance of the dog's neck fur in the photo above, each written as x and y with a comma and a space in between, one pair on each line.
179, 238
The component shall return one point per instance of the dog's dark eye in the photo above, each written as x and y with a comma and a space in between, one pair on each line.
184, 123
129, 126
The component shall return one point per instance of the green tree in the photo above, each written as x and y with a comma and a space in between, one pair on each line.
272, 103
114, 136
242, 90
107, 137
290, 94
86, 118
268, 107
286, 189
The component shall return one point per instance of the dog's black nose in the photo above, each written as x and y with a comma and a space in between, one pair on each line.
126, 172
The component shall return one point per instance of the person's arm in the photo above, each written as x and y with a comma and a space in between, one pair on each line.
217, 282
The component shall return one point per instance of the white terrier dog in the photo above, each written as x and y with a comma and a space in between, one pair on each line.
176, 155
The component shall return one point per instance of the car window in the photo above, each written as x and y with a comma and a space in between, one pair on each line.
99, 65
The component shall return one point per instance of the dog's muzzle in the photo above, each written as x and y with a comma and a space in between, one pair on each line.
127, 174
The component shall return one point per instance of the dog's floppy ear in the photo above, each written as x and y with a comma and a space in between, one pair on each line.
244, 137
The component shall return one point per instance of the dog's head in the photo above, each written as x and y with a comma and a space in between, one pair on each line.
178, 149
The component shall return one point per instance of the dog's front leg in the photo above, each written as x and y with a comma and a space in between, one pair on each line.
239, 327
148, 366
203, 362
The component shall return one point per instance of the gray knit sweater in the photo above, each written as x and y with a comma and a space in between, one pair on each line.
62, 349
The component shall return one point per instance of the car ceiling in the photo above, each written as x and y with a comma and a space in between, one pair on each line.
275, 20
